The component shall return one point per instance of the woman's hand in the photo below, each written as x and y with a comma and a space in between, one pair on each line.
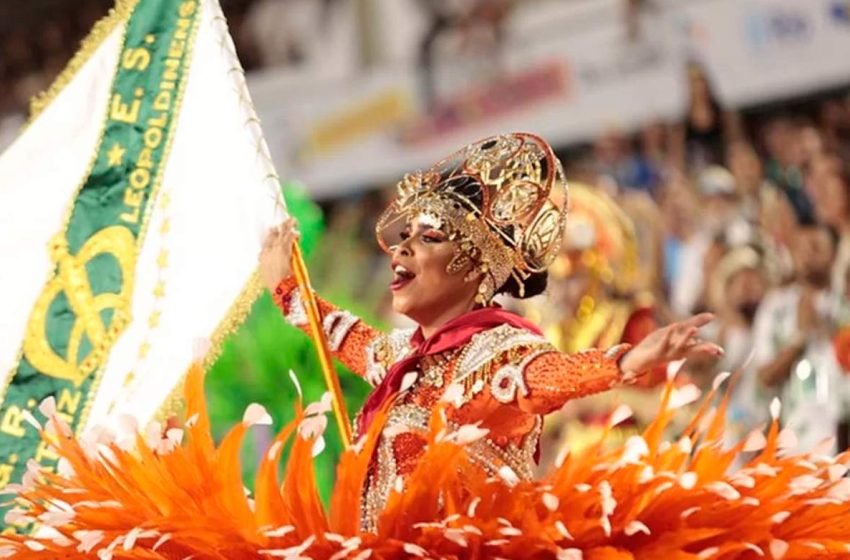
673, 342
276, 256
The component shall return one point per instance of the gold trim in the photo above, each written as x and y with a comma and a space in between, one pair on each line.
117, 15
99, 32
166, 152
232, 320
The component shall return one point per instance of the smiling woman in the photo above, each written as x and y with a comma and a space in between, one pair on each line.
488, 219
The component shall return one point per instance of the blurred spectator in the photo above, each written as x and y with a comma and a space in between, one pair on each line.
281, 30
719, 224
835, 125
653, 157
748, 172
784, 167
320, 36
678, 206
832, 207
649, 229
699, 141
458, 28
777, 223
737, 287
792, 342
618, 163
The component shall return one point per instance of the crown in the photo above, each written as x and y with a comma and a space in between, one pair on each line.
503, 199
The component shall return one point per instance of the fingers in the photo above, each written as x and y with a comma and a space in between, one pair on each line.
683, 338
705, 349
698, 321
282, 235
270, 238
667, 340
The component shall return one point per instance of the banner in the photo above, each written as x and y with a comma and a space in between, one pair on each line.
131, 216
758, 51
569, 71
566, 87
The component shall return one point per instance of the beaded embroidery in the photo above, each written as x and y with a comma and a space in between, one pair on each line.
384, 351
474, 367
512, 362
411, 418
296, 314
510, 378
337, 326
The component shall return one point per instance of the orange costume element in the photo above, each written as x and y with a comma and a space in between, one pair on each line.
168, 499
509, 377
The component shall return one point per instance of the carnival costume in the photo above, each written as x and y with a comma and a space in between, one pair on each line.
503, 202
442, 465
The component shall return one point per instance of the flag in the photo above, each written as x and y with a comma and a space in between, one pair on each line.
132, 209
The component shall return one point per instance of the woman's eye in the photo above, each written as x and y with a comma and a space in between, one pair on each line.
404, 235
432, 238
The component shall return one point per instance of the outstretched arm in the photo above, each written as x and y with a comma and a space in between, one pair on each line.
348, 337
553, 378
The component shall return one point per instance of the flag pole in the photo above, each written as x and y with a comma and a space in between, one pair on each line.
318, 335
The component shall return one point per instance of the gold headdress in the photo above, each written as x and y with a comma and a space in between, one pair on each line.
502, 199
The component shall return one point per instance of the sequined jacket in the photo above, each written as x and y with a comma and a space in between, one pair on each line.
511, 378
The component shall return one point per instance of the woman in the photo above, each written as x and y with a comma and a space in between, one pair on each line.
700, 140
483, 222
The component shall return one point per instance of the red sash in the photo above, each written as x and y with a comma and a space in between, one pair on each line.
454, 334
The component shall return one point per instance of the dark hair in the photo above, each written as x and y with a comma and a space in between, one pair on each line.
831, 232
534, 285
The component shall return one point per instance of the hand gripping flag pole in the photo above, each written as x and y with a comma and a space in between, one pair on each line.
318, 335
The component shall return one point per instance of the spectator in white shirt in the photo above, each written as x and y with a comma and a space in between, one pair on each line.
793, 354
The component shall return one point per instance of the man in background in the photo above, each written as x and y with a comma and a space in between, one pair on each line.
792, 342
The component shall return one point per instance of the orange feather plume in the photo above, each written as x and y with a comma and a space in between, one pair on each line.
175, 495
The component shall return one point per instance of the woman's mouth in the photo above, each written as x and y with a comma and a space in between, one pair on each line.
401, 277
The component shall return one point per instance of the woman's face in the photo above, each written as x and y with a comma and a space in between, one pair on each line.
746, 167
422, 288
744, 290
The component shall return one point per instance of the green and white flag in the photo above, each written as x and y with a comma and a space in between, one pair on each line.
132, 210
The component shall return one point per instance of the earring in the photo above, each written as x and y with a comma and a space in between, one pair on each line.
460, 261
485, 291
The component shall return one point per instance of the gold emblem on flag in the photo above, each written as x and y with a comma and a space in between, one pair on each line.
72, 280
